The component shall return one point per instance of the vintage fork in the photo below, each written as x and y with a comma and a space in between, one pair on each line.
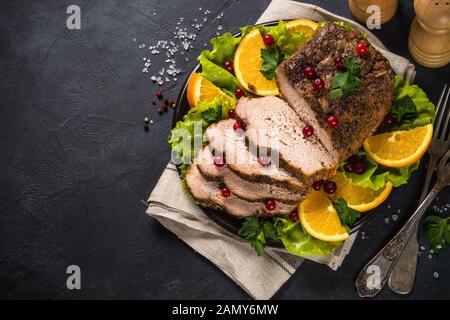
403, 274
375, 273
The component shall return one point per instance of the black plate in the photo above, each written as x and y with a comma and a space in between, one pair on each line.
223, 219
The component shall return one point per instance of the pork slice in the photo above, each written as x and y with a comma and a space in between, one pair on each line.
224, 140
272, 124
361, 112
208, 191
243, 188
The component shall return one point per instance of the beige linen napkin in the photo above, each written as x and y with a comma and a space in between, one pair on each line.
260, 277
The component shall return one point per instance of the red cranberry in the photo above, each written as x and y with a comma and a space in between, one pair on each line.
237, 126
225, 192
171, 102
293, 217
354, 159
359, 168
339, 63
239, 93
219, 161
349, 167
164, 107
389, 120
231, 114
159, 94
317, 185
330, 187
270, 204
268, 39
318, 84
228, 65
308, 131
264, 161
332, 121
361, 48
309, 72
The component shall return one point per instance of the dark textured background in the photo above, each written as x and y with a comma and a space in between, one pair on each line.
75, 161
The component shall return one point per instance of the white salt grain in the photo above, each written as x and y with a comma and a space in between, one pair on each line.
436, 275
394, 217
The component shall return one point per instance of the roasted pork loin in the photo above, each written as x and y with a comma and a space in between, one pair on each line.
274, 126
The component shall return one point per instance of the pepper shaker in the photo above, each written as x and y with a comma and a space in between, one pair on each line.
359, 9
429, 37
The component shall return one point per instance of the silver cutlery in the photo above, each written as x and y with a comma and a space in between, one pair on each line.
375, 273
403, 274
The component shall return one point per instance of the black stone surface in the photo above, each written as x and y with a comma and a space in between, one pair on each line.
76, 161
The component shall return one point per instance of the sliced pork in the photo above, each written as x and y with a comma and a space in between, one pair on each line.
231, 144
272, 124
241, 187
208, 191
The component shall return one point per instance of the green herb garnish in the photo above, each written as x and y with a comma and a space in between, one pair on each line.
403, 109
346, 82
212, 115
438, 231
272, 58
346, 214
256, 231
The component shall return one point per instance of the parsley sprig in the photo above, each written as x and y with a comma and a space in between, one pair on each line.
272, 58
438, 231
346, 82
346, 214
212, 115
257, 231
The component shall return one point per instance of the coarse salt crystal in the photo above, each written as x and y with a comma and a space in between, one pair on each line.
436, 275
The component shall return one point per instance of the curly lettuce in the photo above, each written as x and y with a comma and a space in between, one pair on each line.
287, 41
299, 242
187, 136
411, 107
376, 176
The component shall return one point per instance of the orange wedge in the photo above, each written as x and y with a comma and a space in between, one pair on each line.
248, 63
399, 148
319, 218
201, 89
306, 26
359, 198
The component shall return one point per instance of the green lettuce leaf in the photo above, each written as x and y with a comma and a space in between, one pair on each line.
223, 49
411, 106
187, 136
300, 243
287, 41
217, 75
376, 176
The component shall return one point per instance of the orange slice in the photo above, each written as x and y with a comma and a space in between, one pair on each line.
306, 26
399, 148
247, 66
201, 89
359, 198
319, 218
